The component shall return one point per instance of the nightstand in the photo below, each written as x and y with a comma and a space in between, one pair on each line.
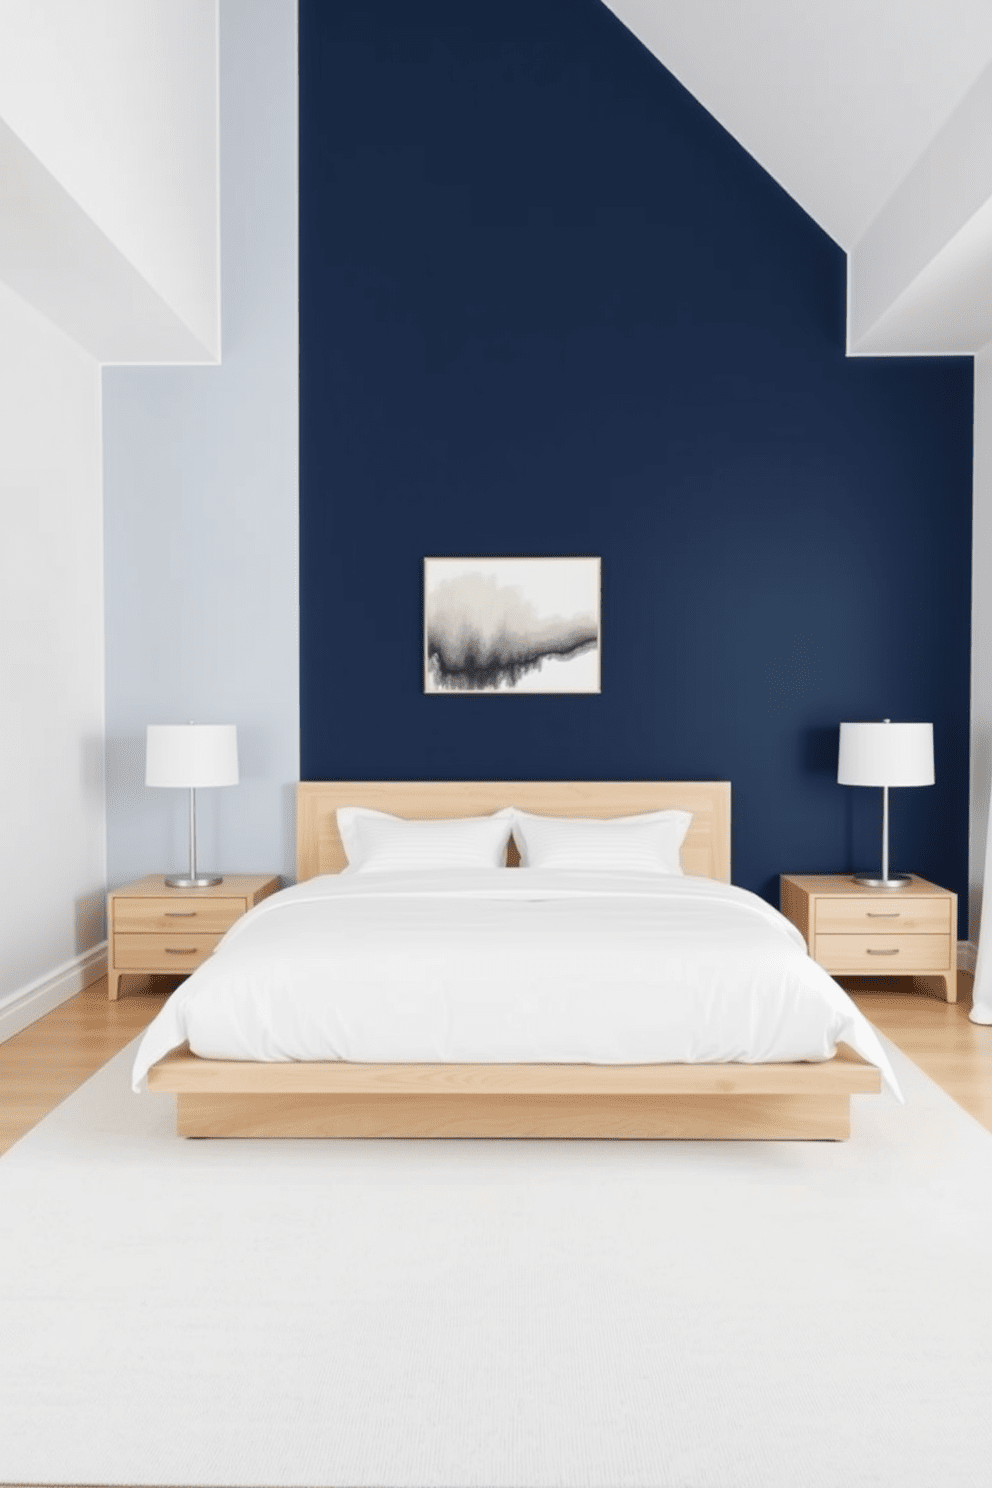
157, 929
852, 930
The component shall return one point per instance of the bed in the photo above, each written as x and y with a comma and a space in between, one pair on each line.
570, 1097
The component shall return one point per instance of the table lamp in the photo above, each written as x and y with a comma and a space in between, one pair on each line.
192, 755
885, 754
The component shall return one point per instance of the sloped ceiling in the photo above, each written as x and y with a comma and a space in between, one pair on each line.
109, 184
835, 98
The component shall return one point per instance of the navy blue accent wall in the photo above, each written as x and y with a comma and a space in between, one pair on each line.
547, 305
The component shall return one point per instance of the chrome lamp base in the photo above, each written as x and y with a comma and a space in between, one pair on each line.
193, 879
886, 880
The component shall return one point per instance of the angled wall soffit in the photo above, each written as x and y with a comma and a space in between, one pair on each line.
58, 260
920, 278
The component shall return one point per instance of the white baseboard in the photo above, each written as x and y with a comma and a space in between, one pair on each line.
30, 1003
967, 956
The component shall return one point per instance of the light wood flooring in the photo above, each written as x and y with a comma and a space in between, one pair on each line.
936, 1035
48, 1061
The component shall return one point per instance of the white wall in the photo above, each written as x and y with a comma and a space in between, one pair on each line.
835, 98
51, 651
918, 278
114, 103
201, 490
981, 641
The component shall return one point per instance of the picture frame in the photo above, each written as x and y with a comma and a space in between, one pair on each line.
512, 626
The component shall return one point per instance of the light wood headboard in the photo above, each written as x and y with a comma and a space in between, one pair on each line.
705, 852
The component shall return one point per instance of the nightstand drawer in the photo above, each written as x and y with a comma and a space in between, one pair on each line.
889, 954
171, 952
877, 916
180, 913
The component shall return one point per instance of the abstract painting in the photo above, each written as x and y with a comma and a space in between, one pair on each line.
511, 625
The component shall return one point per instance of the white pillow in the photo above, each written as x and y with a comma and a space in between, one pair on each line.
649, 843
375, 842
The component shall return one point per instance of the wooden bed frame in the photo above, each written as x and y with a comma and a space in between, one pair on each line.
226, 1098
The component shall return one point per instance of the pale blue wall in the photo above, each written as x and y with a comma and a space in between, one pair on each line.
201, 478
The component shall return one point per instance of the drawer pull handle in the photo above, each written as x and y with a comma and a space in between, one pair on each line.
180, 914
873, 952
879, 914
181, 950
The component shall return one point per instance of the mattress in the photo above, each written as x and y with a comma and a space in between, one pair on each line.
512, 966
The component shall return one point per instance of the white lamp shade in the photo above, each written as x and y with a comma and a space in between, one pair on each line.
191, 754
885, 754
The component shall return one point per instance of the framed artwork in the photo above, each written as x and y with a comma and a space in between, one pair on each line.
511, 625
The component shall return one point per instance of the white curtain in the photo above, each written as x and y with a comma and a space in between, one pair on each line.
981, 1008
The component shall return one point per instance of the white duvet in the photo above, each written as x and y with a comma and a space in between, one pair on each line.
512, 965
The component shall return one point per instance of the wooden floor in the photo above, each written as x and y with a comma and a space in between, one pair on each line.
52, 1058
936, 1035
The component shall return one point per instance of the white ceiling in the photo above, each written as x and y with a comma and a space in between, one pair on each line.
835, 98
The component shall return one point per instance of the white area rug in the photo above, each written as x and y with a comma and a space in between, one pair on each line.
484, 1313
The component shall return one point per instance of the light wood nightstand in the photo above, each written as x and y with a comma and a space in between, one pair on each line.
852, 930
154, 928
